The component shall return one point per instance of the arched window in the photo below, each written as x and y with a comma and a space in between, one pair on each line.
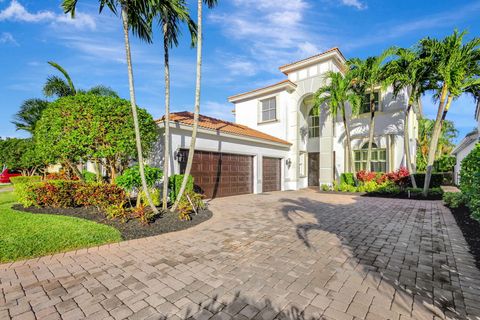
379, 158
314, 123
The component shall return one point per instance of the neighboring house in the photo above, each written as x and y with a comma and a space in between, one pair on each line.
278, 142
466, 146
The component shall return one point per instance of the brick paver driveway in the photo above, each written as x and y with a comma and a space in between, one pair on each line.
286, 255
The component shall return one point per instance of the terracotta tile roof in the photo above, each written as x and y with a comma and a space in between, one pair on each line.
205, 122
314, 56
262, 88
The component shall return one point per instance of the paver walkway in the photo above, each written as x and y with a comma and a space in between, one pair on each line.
286, 255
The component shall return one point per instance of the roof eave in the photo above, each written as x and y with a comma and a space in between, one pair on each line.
335, 53
217, 133
286, 85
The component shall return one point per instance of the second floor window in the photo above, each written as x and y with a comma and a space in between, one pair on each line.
314, 123
269, 109
365, 107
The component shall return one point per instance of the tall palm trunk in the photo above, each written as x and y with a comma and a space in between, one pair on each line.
134, 109
349, 142
434, 142
371, 130
406, 145
197, 106
166, 157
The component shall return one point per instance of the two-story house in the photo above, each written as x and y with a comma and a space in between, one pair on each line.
279, 142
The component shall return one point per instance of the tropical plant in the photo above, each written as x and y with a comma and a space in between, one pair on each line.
456, 70
29, 113
470, 181
368, 74
408, 72
130, 180
56, 86
334, 95
196, 113
136, 16
169, 22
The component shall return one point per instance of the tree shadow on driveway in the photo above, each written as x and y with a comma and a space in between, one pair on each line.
402, 243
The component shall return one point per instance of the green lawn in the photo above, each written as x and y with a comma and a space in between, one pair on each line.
25, 235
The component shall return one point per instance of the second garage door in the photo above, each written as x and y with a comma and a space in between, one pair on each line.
220, 174
271, 174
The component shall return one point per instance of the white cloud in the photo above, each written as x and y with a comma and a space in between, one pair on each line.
355, 3
271, 33
17, 12
6, 37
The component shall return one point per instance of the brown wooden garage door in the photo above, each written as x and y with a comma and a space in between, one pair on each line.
220, 174
271, 174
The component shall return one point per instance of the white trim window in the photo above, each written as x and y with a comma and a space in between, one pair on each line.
314, 123
379, 158
268, 109
365, 107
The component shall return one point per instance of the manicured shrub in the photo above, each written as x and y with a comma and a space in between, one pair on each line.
89, 176
325, 187
400, 177
25, 194
54, 193
365, 176
174, 184
99, 195
417, 193
130, 179
62, 175
454, 199
155, 194
24, 179
470, 181
117, 211
347, 178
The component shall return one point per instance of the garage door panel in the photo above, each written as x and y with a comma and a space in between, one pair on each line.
271, 174
220, 174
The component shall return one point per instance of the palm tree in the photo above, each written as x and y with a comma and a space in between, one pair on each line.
336, 94
368, 74
456, 70
135, 16
170, 24
29, 114
196, 113
409, 71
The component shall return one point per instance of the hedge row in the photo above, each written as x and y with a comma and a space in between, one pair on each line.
67, 193
470, 181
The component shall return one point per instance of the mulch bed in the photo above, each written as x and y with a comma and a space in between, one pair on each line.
132, 229
470, 229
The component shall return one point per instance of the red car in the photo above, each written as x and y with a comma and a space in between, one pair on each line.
7, 174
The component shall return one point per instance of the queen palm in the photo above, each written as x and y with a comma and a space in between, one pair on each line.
409, 71
456, 70
196, 113
368, 74
170, 24
335, 95
135, 16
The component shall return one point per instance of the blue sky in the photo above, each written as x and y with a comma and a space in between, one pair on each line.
245, 42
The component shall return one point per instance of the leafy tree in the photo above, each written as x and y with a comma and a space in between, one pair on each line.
89, 127
196, 113
20, 154
136, 16
369, 74
336, 94
455, 70
29, 113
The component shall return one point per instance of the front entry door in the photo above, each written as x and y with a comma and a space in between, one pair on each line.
313, 167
